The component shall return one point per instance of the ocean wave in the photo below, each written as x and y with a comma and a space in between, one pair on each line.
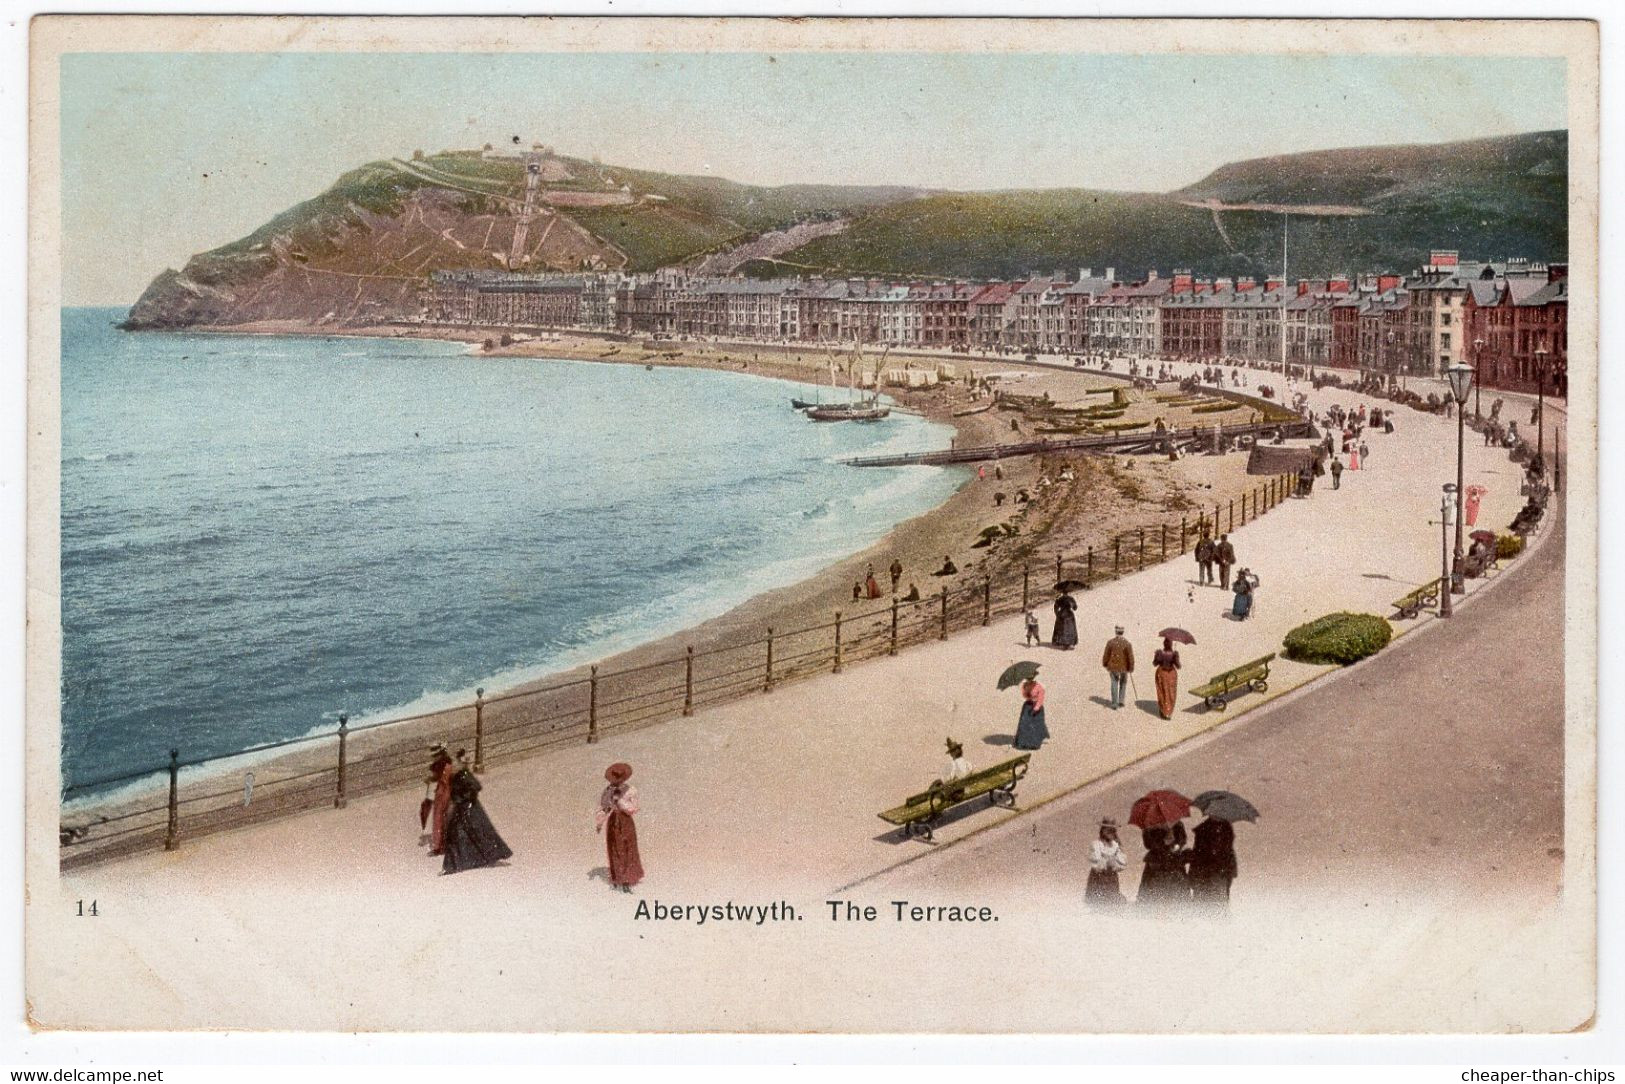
99, 457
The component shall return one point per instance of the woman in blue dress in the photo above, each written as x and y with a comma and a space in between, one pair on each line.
1031, 731
1244, 586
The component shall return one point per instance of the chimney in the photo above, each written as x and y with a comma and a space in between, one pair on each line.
1303, 287
1183, 281
1202, 286
1339, 284
1243, 285
1557, 272
1273, 284
1085, 273
1388, 282
1111, 274
1221, 285
1151, 275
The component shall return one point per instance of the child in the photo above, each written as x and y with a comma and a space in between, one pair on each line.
1032, 629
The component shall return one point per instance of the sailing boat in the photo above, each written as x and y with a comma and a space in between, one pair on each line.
805, 404
867, 409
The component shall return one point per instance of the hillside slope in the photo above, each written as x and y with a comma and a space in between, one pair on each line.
1490, 197
363, 249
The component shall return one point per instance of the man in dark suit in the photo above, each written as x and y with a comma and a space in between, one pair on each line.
1225, 557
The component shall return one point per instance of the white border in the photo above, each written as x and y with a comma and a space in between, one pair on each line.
368, 1056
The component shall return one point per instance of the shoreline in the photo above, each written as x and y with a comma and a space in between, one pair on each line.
1104, 499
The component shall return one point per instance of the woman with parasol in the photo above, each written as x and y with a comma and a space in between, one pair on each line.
471, 839
441, 770
1165, 664
616, 807
1213, 850
1030, 729
1065, 636
1245, 586
1158, 815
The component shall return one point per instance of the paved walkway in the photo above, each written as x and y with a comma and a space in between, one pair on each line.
785, 787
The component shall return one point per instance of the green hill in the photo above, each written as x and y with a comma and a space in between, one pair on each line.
1489, 197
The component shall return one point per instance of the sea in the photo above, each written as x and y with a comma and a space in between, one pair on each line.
260, 533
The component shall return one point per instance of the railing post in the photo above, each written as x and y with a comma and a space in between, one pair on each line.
688, 682
339, 800
1057, 568
1232, 515
1089, 566
479, 730
987, 598
1182, 533
1026, 583
767, 683
1216, 508
592, 706
943, 634
1117, 556
1164, 542
171, 835
837, 641
1141, 562
892, 650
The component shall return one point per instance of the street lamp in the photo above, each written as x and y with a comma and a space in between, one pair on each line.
1447, 513
1461, 382
1540, 408
1478, 380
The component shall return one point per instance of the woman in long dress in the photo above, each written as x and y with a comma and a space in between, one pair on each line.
1213, 862
1166, 663
1031, 731
1065, 636
1164, 880
471, 838
441, 770
1244, 586
616, 808
1106, 861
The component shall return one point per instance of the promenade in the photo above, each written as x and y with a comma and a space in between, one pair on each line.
783, 788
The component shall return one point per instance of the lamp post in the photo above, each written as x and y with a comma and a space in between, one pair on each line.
1478, 379
1461, 382
1447, 513
1540, 409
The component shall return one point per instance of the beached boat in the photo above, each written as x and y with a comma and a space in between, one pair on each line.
848, 412
802, 404
865, 409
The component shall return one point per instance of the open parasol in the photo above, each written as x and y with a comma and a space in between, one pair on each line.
1483, 536
1016, 673
1158, 808
1066, 587
1178, 636
1224, 806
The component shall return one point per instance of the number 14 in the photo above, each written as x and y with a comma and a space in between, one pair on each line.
83, 911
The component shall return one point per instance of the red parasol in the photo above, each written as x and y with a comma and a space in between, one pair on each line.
1482, 536
1158, 808
1177, 635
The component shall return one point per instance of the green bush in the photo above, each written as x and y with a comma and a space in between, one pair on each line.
1507, 545
1341, 638
1216, 408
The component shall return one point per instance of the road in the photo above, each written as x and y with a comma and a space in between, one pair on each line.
1440, 760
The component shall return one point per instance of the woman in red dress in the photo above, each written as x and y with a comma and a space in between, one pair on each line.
616, 808
441, 771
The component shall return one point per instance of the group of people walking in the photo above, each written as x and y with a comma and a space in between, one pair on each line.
1222, 555
1174, 873
460, 833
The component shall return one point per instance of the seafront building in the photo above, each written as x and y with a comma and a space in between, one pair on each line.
1508, 318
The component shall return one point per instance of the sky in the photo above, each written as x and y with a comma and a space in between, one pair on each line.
167, 155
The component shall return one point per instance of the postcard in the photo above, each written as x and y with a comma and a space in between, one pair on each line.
826, 525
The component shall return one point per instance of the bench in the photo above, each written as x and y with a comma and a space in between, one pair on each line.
1248, 677
1414, 603
921, 812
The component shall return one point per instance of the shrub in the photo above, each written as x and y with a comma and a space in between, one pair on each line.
1507, 545
1216, 408
1341, 638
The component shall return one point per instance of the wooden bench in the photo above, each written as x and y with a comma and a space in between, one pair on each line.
1414, 603
1248, 677
921, 812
